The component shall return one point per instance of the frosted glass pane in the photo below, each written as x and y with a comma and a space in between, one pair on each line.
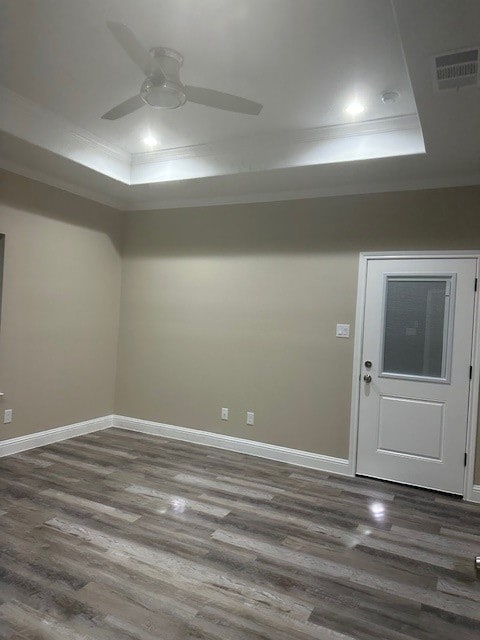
415, 328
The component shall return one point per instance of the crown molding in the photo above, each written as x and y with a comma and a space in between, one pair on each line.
89, 139
155, 204
28, 121
408, 122
19, 117
282, 150
386, 137
176, 153
59, 183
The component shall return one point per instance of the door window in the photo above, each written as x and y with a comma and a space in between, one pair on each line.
417, 327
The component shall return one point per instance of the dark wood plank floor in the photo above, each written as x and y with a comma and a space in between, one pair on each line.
118, 535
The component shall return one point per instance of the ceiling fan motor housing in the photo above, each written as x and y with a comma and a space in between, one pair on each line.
163, 89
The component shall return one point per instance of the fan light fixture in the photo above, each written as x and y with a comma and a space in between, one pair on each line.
162, 94
355, 108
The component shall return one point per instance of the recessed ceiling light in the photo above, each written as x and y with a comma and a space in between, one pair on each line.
150, 140
354, 108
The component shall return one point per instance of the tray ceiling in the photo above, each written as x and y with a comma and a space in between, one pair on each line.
304, 60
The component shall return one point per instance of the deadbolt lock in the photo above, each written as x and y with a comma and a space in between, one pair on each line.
368, 364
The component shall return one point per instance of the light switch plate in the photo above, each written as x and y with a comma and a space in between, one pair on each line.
224, 413
343, 331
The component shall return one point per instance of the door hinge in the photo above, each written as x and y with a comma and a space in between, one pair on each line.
476, 284
465, 460
470, 373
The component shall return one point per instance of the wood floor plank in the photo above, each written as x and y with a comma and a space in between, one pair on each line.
117, 535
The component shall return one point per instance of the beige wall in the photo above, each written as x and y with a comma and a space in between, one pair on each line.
236, 306
59, 324
222, 306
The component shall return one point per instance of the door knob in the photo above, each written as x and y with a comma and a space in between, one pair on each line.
367, 378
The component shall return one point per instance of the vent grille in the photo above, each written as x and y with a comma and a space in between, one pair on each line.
457, 69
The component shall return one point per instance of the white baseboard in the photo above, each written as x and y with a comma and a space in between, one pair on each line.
240, 445
297, 457
40, 439
475, 494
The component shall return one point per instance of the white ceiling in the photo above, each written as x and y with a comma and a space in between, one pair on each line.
61, 69
60, 55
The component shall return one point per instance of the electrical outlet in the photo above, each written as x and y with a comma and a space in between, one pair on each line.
224, 413
7, 416
250, 418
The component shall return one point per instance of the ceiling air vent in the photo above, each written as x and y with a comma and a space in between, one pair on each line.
456, 69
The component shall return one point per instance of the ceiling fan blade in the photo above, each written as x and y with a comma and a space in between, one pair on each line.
124, 108
133, 48
220, 100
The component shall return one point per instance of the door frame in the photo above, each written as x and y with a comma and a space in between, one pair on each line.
469, 492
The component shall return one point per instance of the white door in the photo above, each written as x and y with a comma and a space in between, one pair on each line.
415, 375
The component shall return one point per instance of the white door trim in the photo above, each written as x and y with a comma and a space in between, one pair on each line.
468, 488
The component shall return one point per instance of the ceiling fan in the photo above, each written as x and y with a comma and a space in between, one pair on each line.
162, 87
